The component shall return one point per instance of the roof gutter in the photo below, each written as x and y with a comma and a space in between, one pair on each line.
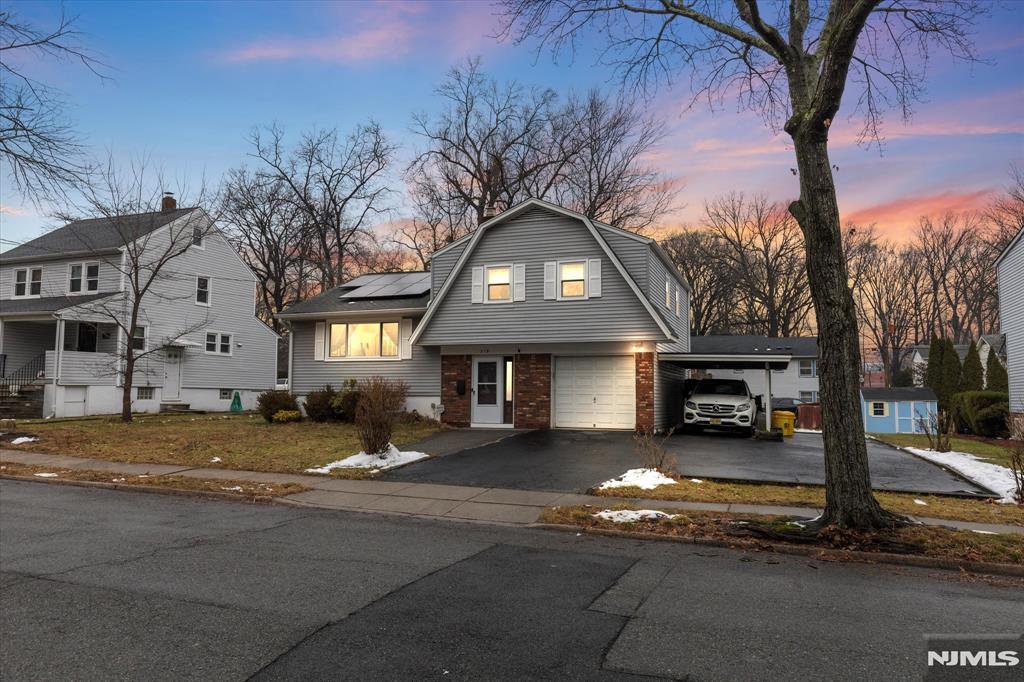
345, 313
5, 260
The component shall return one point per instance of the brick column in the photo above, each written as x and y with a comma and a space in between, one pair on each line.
456, 407
644, 391
532, 389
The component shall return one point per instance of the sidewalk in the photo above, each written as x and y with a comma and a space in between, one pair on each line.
495, 505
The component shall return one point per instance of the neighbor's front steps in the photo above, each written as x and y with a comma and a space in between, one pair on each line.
496, 505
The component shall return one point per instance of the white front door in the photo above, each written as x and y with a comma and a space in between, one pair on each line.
172, 374
488, 390
595, 392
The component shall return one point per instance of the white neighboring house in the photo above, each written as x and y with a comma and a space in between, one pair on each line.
798, 380
1010, 276
991, 343
919, 360
59, 349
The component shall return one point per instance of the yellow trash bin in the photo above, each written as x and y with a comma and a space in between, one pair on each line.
784, 421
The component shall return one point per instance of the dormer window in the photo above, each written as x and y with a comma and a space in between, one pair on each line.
28, 282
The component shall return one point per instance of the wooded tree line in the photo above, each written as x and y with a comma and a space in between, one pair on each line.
308, 215
745, 261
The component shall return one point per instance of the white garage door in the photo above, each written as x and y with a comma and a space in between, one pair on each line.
595, 392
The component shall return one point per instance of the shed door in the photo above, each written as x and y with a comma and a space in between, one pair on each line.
595, 392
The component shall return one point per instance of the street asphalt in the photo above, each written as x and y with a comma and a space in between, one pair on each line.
104, 584
575, 461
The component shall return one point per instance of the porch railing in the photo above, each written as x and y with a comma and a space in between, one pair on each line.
26, 374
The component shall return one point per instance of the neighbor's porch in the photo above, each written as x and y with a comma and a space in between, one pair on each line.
77, 352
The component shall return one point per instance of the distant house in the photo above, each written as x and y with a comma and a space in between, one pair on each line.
1010, 276
799, 378
919, 360
897, 410
61, 352
991, 343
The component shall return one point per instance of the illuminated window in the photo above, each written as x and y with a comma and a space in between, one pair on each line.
389, 340
499, 283
572, 279
338, 340
363, 340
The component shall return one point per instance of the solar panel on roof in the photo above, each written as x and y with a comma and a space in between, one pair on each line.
389, 285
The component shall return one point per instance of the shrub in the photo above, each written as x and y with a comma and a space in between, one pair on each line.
270, 403
973, 374
320, 404
286, 416
995, 374
346, 400
651, 449
967, 408
380, 403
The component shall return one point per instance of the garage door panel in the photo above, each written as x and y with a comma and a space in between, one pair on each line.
595, 392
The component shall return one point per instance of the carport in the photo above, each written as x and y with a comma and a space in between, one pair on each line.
768, 361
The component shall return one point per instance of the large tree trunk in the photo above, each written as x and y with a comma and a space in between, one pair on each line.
848, 498
126, 389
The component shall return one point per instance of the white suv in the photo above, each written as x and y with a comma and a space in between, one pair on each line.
721, 403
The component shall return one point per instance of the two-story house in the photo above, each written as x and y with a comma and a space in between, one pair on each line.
1010, 275
540, 318
200, 340
797, 379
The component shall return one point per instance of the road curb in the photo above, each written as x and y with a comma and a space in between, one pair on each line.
796, 550
181, 492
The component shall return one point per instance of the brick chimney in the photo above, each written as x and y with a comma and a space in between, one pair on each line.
168, 203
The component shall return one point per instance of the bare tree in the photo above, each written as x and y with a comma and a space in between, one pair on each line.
701, 257
338, 185
886, 302
1005, 215
439, 218
764, 250
42, 153
793, 65
151, 234
268, 231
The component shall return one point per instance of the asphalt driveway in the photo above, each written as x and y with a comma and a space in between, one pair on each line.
574, 461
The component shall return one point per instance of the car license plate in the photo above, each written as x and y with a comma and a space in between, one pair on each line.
716, 421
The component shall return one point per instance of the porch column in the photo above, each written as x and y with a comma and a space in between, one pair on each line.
58, 348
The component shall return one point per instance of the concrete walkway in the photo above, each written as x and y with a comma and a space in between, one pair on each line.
494, 505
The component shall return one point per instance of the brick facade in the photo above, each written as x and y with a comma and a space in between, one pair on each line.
456, 407
644, 391
532, 389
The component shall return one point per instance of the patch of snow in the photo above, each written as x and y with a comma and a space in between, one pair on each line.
390, 459
45, 475
23, 439
234, 488
632, 515
645, 479
983, 532
696, 480
920, 502
805, 523
214, 460
806, 431
117, 480
996, 478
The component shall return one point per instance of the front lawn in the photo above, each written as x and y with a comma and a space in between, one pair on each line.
240, 441
996, 452
937, 506
758, 531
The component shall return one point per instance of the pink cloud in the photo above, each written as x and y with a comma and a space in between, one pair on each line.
898, 218
14, 211
376, 43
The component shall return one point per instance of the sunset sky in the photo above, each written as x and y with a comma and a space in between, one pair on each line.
188, 80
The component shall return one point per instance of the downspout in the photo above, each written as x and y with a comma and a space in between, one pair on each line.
291, 354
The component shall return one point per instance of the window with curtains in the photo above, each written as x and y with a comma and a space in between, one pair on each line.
362, 340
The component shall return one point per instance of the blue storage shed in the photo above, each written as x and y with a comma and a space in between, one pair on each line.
897, 410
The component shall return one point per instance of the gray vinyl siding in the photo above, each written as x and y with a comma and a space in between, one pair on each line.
1011, 319
95, 369
441, 265
533, 238
56, 271
24, 341
680, 324
632, 254
422, 372
668, 395
170, 312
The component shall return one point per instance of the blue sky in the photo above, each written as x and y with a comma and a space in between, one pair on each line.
190, 79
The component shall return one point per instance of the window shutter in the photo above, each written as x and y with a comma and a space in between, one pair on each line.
320, 336
477, 288
594, 278
406, 332
549, 280
519, 282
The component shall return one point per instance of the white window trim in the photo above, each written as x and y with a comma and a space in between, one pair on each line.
372, 358
511, 283
202, 242
231, 393
209, 291
151, 389
28, 283
800, 369
231, 343
145, 338
84, 291
586, 279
